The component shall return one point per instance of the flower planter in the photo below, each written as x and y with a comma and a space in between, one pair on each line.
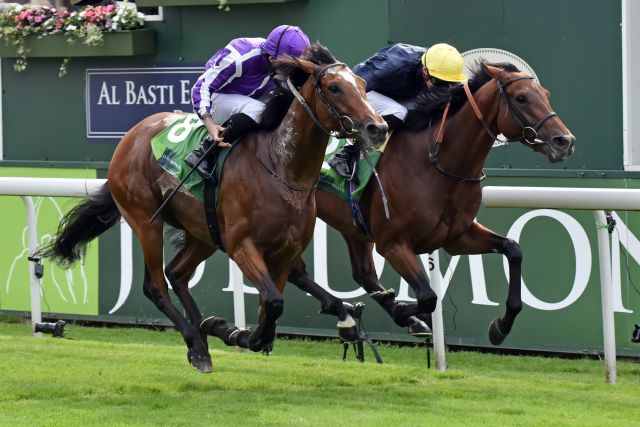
120, 43
153, 3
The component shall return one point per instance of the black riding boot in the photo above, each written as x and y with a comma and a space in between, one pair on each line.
392, 121
343, 161
205, 168
235, 127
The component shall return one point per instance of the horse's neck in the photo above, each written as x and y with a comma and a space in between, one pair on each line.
466, 143
297, 151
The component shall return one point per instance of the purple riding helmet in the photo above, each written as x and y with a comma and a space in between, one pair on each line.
286, 40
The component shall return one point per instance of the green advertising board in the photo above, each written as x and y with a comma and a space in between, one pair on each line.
561, 290
73, 291
564, 43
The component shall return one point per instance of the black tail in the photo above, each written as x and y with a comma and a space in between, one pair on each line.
80, 226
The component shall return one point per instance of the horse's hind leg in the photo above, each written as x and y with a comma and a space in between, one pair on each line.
480, 240
179, 272
329, 304
156, 289
364, 273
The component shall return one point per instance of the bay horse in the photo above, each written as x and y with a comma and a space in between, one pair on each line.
432, 174
266, 208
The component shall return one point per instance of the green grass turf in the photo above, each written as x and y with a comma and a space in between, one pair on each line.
126, 376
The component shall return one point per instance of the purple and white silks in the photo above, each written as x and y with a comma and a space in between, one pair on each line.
240, 68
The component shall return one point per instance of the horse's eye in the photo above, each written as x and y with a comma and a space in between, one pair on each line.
521, 99
333, 88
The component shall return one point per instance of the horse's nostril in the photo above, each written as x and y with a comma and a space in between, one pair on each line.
375, 129
564, 140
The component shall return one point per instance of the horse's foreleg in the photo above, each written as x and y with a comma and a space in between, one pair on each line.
405, 262
329, 304
364, 273
480, 240
156, 289
179, 272
253, 266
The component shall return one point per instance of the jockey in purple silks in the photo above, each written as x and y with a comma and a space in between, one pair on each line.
229, 96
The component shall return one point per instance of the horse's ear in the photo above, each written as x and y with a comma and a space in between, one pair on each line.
494, 72
308, 66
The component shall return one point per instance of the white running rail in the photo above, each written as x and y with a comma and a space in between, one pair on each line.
597, 200
49, 187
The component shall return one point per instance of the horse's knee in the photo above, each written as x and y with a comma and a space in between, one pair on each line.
176, 284
511, 249
362, 275
274, 307
295, 274
157, 296
427, 303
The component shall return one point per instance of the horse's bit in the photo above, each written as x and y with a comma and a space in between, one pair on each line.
346, 123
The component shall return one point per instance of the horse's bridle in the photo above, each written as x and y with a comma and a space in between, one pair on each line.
346, 123
529, 133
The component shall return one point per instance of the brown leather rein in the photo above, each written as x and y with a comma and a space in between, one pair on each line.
529, 133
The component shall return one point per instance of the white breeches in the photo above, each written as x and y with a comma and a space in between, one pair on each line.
224, 105
386, 106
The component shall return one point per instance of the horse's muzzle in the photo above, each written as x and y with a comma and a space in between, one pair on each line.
376, 132
560, 147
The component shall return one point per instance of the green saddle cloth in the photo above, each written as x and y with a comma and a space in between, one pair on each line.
333, 183
171, 146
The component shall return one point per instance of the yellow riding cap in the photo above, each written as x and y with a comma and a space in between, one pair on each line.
444, 62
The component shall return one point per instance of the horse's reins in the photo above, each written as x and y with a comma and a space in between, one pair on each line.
343, 119
434, 154
529, 133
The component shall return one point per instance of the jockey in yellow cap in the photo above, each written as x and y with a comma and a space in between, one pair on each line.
399, 72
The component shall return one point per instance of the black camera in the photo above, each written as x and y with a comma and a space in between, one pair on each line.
56, 329
635, 336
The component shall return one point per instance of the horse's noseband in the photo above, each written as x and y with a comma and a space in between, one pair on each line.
347, 125
529, 133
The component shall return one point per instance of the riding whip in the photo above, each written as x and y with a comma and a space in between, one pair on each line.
173, 192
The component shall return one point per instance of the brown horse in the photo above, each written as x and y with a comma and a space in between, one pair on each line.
266, 208
434, 193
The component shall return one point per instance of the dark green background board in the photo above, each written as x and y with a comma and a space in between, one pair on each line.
574, 46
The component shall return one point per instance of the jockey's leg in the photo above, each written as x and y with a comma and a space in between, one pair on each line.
238, 114
343, 160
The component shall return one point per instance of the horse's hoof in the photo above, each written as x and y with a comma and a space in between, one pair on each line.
496, 336
201, 363
349, 334
419, 329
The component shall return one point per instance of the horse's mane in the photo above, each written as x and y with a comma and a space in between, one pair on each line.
428, 107
285, 68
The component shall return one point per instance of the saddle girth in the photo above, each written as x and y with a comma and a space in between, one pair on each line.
211, 202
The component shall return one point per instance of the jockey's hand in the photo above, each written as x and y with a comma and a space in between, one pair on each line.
214, 131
